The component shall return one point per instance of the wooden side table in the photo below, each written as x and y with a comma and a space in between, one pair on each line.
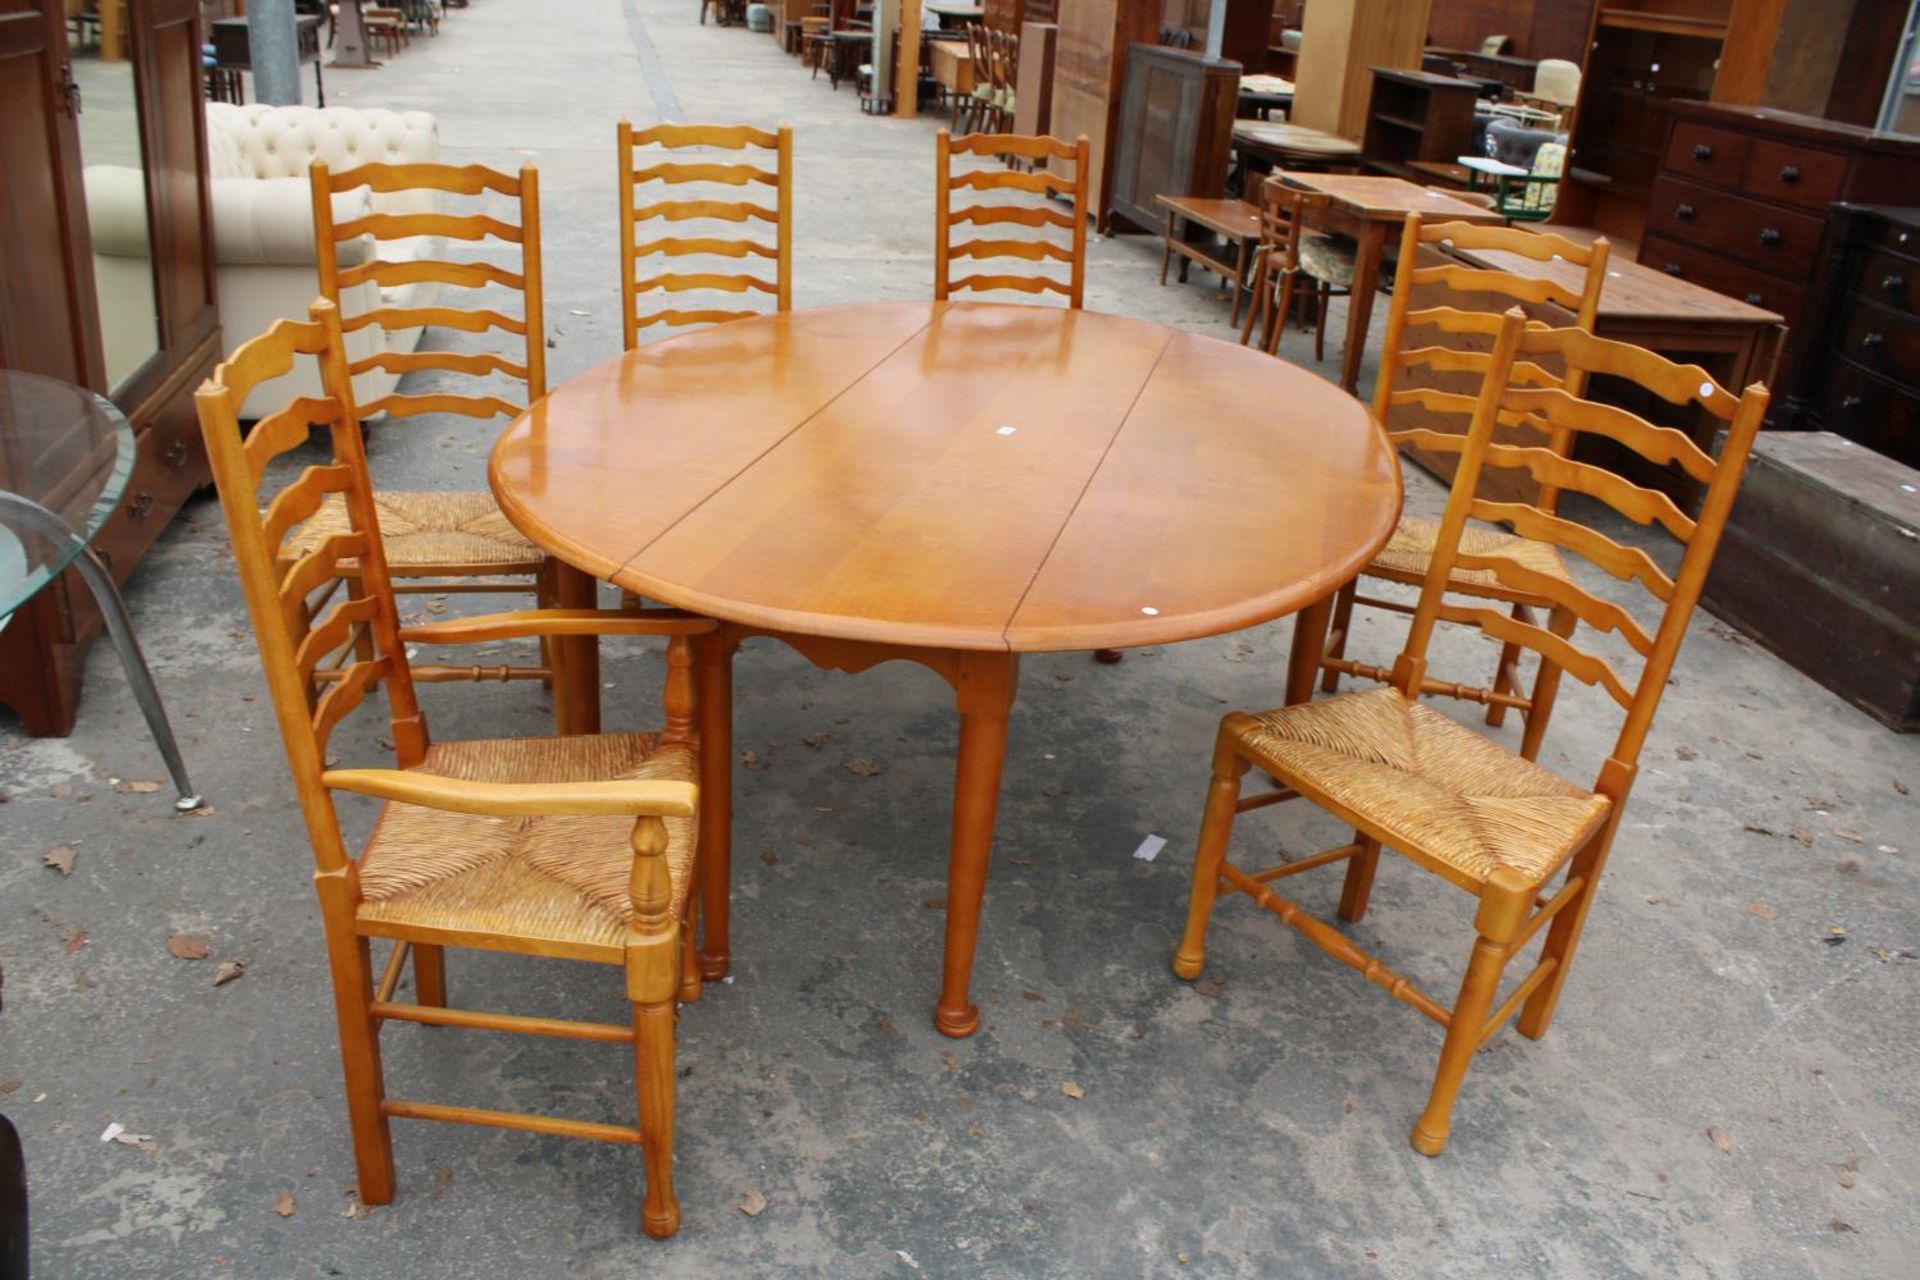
1231, 226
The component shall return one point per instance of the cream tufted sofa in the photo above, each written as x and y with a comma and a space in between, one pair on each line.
263, 238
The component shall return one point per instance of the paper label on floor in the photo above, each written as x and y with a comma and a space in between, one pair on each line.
1150, 848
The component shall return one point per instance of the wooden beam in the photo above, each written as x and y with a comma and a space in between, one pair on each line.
906, 80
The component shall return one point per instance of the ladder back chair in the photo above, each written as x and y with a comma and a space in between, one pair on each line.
1451, 801
705, 176
1460, 361
1290, 254
439, 541
579, 847
1036, 216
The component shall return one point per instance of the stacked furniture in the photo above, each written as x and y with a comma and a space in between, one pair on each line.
1741, 198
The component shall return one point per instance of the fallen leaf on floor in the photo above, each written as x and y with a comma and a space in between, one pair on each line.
865, 768
907, 1258
1762, 910
1034, 996
934, 904
207, 810
1182, 1259
952, 1062
751, 760
1072, 1090
142, 788
358, 1209
117, 1132
228, 971
283, 1204
59, 791
1802, 834
1844, 1176
1900, 786
1845, 834
1209, 987
1757, 829
1839, 1225
112, 1131
1053, 789
441, 1177
1720, 1137
769, 857
187, 947
752, 1203
8, 1086
818, 738
1685, 753
76, 939
60, 858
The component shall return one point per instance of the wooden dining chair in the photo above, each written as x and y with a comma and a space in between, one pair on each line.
1037, 215
438, 541
1291, 255
580, 848
1451, 801
1454, 365
695, 182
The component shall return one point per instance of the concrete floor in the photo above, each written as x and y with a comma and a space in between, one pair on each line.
1729, 1090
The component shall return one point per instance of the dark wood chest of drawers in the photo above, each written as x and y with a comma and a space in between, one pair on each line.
1863, 369
1741, 201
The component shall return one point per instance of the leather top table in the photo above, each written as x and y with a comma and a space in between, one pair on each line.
953, 484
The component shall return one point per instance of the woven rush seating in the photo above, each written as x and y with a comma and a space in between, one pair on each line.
1408, 553
1418, 782
561, 878
426, 532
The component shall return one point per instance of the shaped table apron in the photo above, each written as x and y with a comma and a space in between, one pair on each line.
952, 484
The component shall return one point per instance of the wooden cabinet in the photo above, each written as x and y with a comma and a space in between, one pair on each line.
108, 283
1176, 127
1863, 361
1414, 115
1341, 41
1089, 74
1740, 204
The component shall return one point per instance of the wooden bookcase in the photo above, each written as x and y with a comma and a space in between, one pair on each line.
1415, 115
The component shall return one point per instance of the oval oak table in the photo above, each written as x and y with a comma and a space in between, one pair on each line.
954, 484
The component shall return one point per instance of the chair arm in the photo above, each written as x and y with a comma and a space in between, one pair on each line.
634, 797
519, 623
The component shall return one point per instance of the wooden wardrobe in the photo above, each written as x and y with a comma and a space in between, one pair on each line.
135, 113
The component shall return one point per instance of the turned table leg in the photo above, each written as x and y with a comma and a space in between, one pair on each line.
984, 696
576, 685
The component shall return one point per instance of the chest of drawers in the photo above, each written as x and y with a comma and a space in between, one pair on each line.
1863, 370
1741, 201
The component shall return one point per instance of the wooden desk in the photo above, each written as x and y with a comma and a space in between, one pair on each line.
1735, 342
1368, 208
1292, 146
951, 484
1235, 223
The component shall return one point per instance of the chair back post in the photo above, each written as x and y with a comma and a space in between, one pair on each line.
629, 292
1410, 668
942, 206
785, 199
532, 272
1691, 579
1396, 322
326, 249
407, 722
1082, 151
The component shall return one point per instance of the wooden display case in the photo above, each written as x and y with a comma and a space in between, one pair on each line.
140, 328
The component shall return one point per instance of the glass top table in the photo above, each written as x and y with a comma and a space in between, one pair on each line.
66, 456
70, 453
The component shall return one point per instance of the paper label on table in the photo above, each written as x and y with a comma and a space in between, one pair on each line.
1150, 848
